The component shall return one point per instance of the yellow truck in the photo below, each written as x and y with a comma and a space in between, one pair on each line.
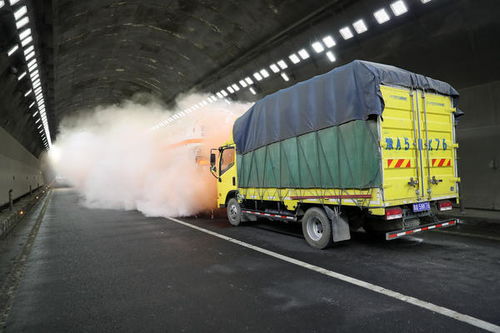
364, 146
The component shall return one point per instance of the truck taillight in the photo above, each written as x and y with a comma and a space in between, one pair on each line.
393, 213
445, 205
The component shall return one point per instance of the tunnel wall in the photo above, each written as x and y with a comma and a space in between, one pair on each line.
478, 134
19, 169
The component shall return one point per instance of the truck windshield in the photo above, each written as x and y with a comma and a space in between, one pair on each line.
227, 160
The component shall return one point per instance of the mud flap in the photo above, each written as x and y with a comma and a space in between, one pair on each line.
340, 227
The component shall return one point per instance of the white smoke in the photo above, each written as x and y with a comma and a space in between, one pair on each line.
114, 160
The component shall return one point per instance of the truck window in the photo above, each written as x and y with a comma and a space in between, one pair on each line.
227, 160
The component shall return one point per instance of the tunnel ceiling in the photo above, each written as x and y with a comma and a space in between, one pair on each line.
106, 50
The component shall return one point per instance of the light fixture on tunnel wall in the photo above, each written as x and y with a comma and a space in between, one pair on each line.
224, 93
294, 58
13, 2
381, 16
2, 3
399, 7
20, 77
318, 47
304, 54
235, 87
26, 94
12, 50
257, 76
282, 64
425, 1
252, 90
264, 73
243, 83
274, 68
20, 12
22, 22
346, 33
331, 56
249, 80
26, 41
285, 77
329, 41
25, 33
231, 91
360, 26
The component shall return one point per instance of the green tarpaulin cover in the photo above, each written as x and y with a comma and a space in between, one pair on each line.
344, 156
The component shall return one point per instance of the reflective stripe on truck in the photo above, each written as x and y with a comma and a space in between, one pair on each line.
405, 232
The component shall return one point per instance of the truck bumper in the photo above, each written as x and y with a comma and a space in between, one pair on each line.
431, 226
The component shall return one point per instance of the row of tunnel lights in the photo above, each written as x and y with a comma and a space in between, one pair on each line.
26, 40
382, 15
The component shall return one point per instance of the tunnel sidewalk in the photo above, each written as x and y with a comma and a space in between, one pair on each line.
474, 215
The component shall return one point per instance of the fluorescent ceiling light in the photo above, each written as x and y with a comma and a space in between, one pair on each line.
399, 7
22, 22
381, 16
317, 47
28, 92
2, 3
20, 12
252, 90
304, 54
29, 49
38, 119
274, 68
257, 76
31, 63
38, 90
248, 80
32, 67
231, 91
346, 33
26, 41
360, 26
331, 56
29, 55
13, 2
294, 58
25, 33
39, 126
31, 105
264, 73
35, 113
20, 77
235, 87
224, 93
12, 50
329, 41
425, 1
282, 64
243, 83
285, 77
219, 95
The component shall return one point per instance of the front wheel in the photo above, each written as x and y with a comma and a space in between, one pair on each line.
234, 214
317, 228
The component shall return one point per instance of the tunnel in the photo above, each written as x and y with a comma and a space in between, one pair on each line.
272, 165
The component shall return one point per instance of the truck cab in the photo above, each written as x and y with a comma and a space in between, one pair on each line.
223, 167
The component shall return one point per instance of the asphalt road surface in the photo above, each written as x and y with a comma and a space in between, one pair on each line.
70, 268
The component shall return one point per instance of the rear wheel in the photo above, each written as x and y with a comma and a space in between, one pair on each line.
317, 228
234, 214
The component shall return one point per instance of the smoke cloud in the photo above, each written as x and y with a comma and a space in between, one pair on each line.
114, 160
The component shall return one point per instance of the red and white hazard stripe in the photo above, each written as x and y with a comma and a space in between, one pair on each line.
285, 217
397, 234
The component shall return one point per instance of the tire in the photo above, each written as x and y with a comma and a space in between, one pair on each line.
234, 214
317, 228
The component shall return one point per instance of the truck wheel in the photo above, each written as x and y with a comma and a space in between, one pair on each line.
234, 214
317, 228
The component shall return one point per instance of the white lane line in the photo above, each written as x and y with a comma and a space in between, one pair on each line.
408, 299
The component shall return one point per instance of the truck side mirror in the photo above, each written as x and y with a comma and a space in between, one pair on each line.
212, 159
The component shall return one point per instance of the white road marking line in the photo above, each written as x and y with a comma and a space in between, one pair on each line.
360, 283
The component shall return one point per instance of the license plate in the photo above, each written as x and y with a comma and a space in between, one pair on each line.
421, 207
